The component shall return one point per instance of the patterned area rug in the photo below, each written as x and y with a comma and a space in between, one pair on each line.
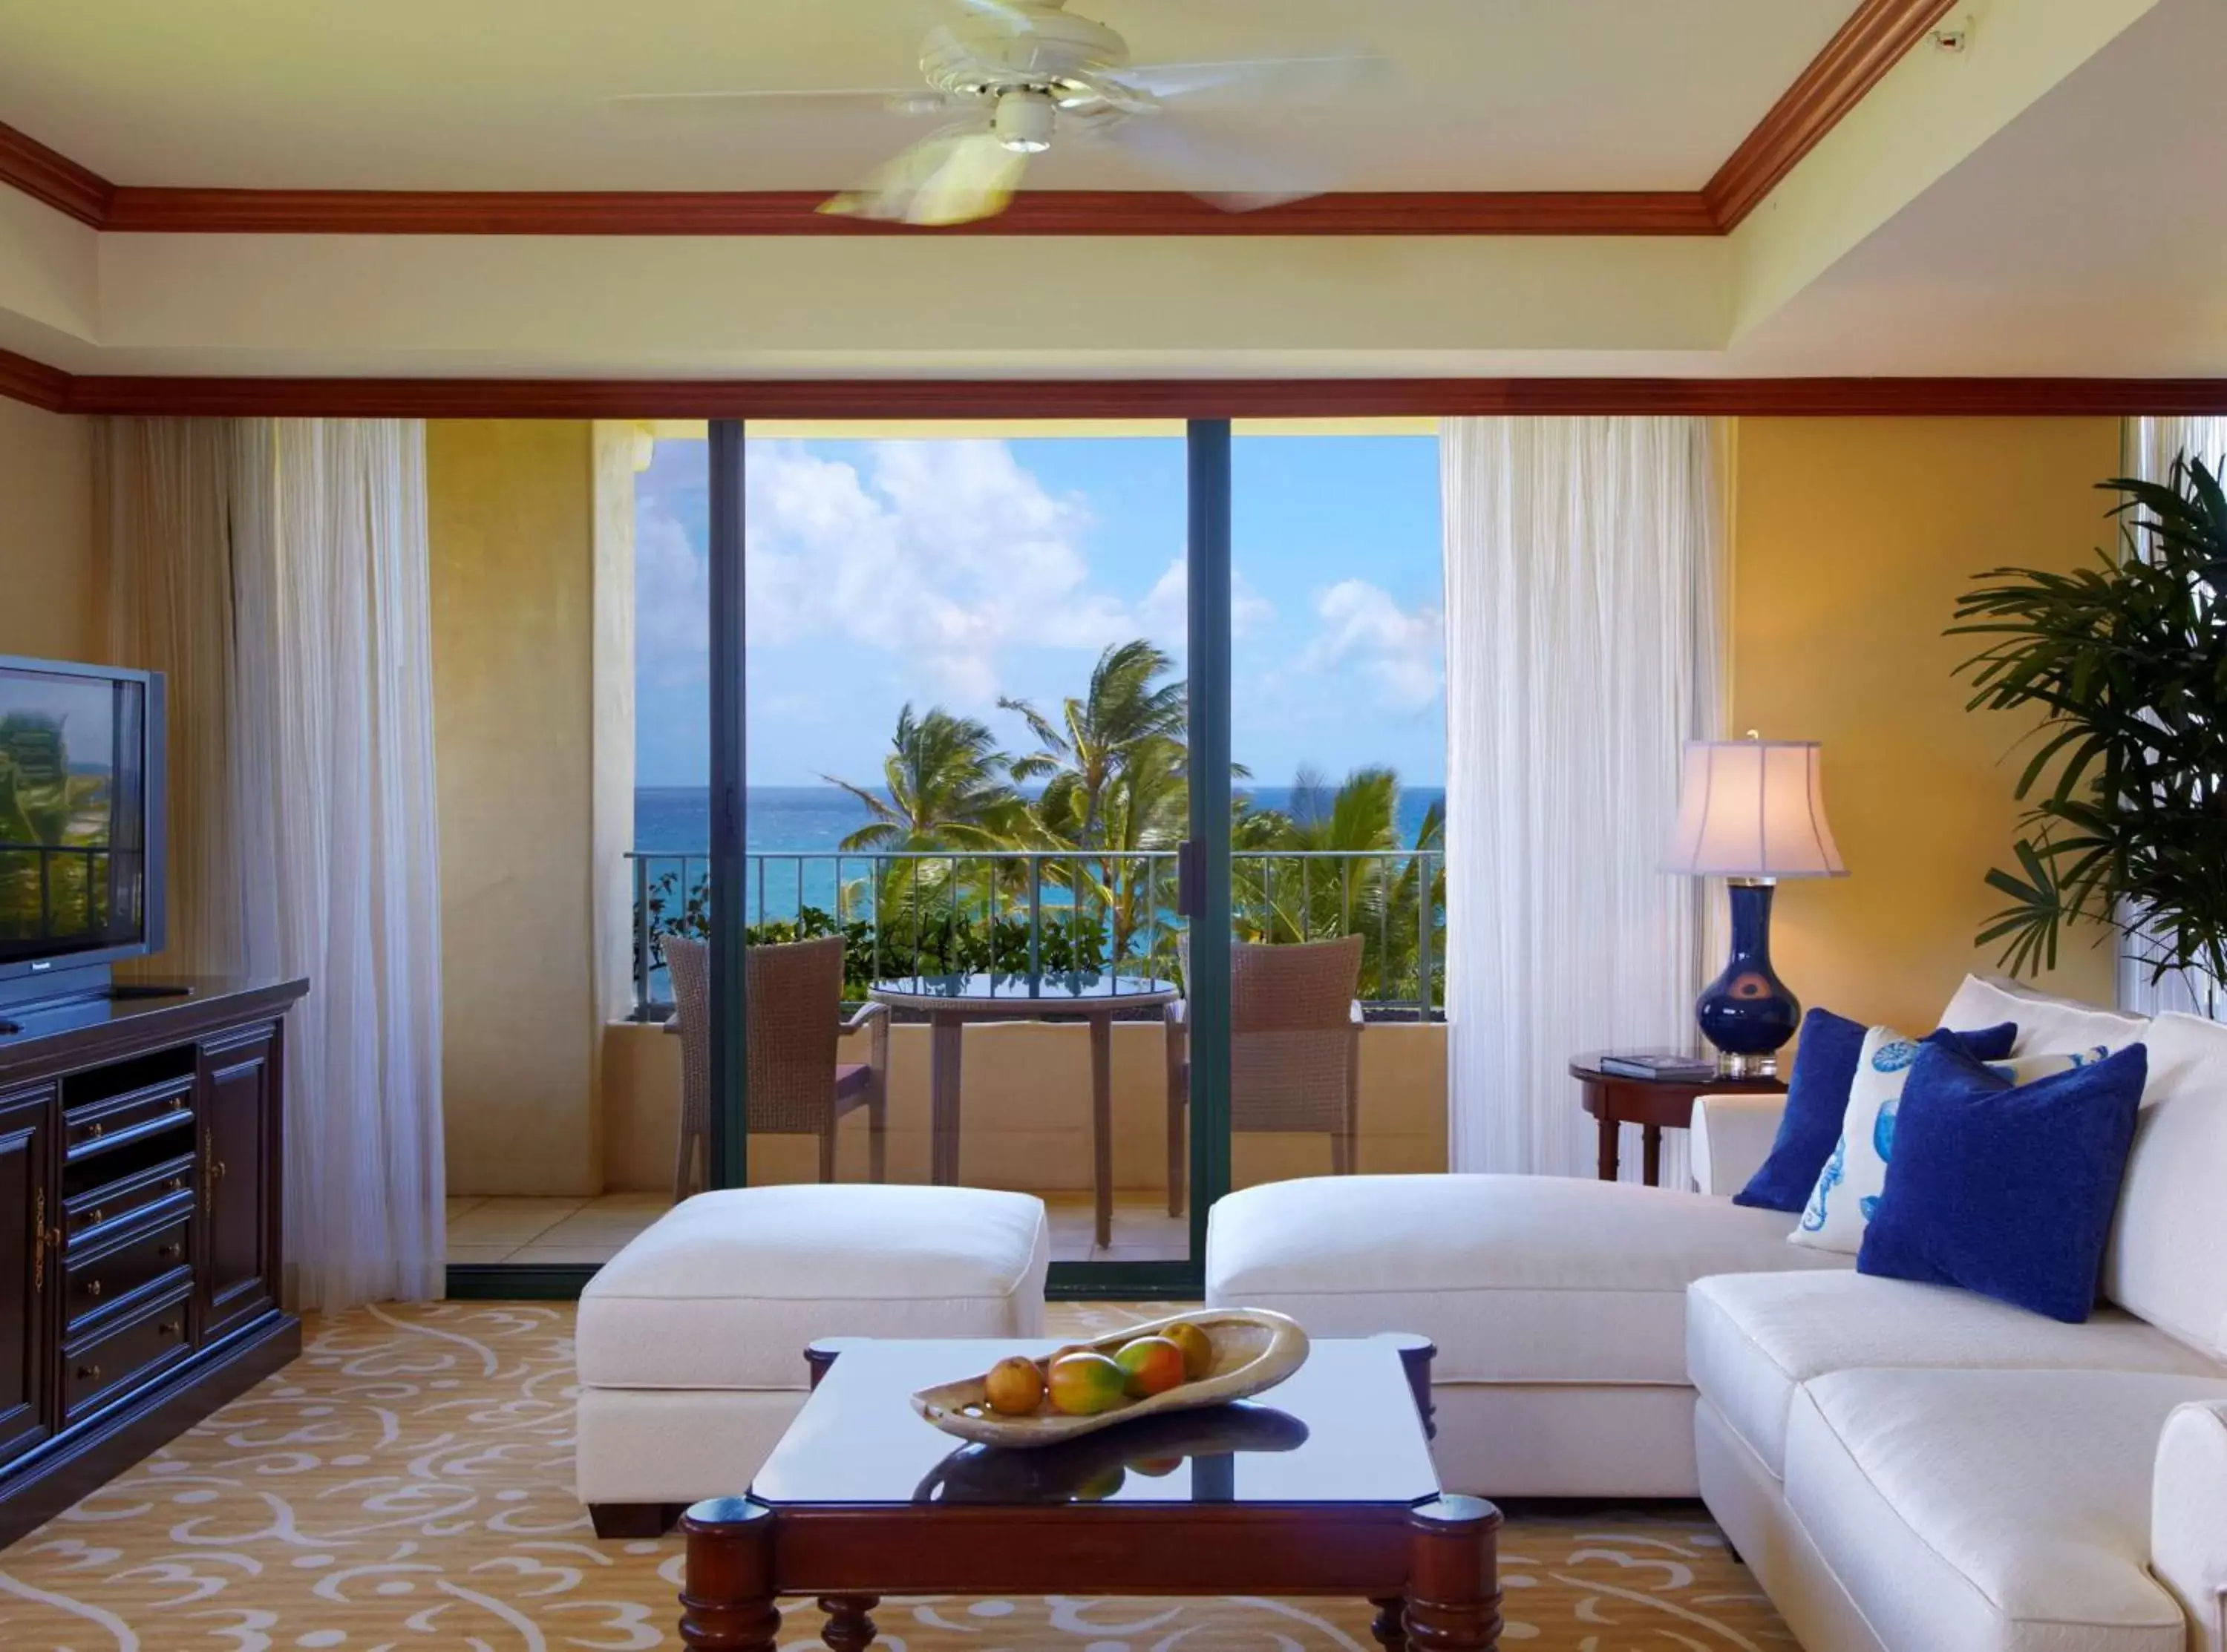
409, 1484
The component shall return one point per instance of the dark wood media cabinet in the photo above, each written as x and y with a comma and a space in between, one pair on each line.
140, 1251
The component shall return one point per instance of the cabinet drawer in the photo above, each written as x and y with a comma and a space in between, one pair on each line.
138, 1196
96, 1369
101, 1127
107, 1283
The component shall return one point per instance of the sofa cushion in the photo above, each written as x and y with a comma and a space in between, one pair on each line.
2164, 1261
2003, 1188
725, 1290
1990, 1511
1817, 1098
1517, 1279
1840, 1207
1753, 1339
2047, 1025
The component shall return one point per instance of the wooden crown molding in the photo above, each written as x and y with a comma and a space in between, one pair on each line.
643, 398
1040, 212
1874, 37
1855, 59
25, 380
49, 176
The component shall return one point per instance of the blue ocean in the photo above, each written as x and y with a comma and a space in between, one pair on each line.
674, 822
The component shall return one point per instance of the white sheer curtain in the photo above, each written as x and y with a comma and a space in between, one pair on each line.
1583, 584
2148, 448
312, 832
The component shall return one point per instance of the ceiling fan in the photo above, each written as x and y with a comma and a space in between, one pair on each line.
1022, 75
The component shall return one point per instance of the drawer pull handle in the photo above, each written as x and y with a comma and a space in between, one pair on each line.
177, 1104
168, 1328
96, 1218
175, 1184
92, 1287
96, 1128
88, 1374
167, 1253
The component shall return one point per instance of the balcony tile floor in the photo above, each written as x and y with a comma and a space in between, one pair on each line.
573, 1231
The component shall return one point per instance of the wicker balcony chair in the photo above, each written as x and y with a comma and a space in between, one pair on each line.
1294, 1049
792, 1001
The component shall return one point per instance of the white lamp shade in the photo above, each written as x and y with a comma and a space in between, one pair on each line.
1753, 808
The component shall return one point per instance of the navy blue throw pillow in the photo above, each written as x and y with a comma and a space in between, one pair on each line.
2004, 1188
1817, 1098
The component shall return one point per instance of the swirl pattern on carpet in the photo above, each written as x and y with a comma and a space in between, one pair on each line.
408, 1484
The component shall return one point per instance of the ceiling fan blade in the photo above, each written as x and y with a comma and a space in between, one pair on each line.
1281, 79
1231, 176
1004, 11
676, 107
955, 176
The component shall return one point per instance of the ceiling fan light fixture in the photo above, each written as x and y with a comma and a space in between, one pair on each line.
1025, 120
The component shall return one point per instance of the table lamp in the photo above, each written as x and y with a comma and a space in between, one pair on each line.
1752, 812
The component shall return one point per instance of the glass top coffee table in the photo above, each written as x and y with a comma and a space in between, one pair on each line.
1322, 1485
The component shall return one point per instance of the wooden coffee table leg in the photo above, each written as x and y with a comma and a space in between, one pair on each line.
727, 1596
848, 1628
1650, 1142
1453, 1587
1606, 1166
1390, 1626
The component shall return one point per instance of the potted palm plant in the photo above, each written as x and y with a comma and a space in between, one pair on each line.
2126, 786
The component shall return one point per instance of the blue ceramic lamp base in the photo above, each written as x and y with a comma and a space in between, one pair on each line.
1746, 1012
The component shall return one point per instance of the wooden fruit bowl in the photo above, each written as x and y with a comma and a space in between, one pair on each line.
1253, 1349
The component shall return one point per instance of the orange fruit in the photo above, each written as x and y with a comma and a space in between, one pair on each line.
1151, 1365
1198, 1349
1013, 1385
1084, 1384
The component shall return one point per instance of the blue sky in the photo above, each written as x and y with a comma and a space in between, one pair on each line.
952, 572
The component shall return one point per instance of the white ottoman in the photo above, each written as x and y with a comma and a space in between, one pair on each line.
1557, 1307
691, 1341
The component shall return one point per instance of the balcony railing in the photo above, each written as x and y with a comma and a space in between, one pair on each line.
1016, 910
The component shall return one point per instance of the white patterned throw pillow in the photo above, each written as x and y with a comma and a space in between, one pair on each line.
1848, 1187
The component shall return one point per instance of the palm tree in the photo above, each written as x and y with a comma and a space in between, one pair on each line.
1302, 900
1146, 807
1125, 711
946, 786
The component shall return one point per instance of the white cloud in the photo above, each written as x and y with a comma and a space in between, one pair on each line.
946, 554
1401, 650
939, 556
672, 601
1164, 614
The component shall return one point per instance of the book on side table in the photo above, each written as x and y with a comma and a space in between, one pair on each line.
1673, 1070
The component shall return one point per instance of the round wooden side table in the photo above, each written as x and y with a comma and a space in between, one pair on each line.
1616, 1100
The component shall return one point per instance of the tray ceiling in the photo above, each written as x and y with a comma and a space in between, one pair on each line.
511, 94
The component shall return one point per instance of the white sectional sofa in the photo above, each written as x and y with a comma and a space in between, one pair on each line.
1907, 1467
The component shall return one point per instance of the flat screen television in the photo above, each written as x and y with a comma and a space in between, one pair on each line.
80, 818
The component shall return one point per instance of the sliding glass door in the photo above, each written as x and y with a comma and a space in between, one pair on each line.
969, 790
998, 794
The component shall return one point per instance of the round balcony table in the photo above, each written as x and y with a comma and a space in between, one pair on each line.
951, 1001
1653, 1104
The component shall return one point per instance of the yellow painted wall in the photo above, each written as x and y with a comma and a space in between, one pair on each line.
1852, 541
47, 597
510, 521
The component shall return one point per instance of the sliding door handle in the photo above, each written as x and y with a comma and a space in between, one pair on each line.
1190, 897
